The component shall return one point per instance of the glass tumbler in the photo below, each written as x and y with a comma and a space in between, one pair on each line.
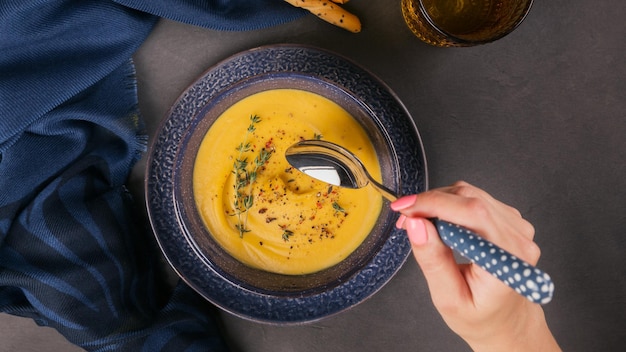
454, 23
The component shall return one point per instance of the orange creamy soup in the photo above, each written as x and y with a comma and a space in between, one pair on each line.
267, 214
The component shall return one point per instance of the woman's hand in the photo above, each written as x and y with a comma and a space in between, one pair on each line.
487, 314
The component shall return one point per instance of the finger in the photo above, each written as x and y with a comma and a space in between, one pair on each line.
478, 213
445, 281
503, 210
467, 206
468, 190
441, 204
507, 219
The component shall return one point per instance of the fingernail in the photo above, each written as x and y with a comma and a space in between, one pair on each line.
416, 231
403, 202
400, 222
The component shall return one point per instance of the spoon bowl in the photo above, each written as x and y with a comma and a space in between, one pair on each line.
333, 164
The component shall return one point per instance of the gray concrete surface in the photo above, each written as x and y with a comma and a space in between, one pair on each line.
537, 118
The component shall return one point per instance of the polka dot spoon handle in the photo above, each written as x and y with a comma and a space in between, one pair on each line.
524, 278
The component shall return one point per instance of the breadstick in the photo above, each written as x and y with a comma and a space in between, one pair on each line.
330, 12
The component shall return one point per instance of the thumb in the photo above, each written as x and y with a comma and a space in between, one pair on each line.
445, 280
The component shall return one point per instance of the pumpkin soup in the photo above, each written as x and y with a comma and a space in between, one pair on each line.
267, 214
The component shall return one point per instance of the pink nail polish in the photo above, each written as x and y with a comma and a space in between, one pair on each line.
416, 231
400, 222
403, 202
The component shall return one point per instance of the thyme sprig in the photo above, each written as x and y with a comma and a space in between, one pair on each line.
245, 175
338, 208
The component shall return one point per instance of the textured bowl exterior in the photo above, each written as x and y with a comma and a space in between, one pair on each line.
251, 293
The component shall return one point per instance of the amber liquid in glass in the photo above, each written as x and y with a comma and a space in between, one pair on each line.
462, 17
463, 21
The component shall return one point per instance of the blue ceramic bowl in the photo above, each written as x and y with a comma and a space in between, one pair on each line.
189, 247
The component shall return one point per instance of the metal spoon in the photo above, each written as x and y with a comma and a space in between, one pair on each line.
333, 164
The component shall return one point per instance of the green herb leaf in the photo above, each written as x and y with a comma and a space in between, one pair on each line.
338, 207
240, 164
248, 201
287, 234
242, 148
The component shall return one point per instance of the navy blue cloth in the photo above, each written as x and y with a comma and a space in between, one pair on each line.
226, 15
75, 253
